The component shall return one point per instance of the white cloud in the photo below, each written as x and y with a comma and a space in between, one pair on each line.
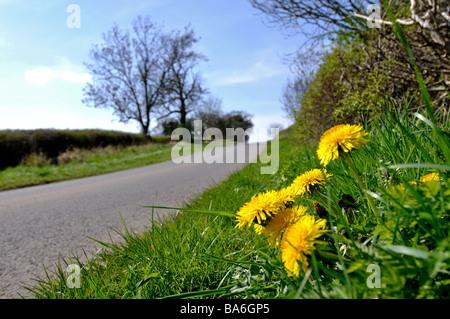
40, 76
43, 75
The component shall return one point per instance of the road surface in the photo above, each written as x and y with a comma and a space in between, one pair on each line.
41, 223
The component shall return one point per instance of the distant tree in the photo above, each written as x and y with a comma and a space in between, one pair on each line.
238, 119
235, 120
291, 97
303, 64
169, 125
209, 111
184, 89
129, 75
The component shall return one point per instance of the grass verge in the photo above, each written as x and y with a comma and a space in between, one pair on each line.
194, 255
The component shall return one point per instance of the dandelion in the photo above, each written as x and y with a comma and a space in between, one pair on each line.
280, 222
431, 177
309, 181
426, 178
339, 140
258, 229
286, 195
298, 242
261, 208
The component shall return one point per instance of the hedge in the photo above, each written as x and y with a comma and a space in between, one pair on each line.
16, 145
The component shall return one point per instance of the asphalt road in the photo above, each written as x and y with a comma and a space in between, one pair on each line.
41, 223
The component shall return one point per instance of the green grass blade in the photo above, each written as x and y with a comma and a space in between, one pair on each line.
404, 250
420, 165
193, 210
197, 294
423, 90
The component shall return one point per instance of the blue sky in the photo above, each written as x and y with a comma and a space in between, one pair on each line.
41, 59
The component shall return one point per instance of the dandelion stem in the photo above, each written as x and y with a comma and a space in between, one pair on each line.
360, 182
325, 202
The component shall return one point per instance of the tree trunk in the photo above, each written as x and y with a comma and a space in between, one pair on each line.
144, 129
183, 114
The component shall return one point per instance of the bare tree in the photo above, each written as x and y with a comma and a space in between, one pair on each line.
291, 97
210, 111
317, 19
432, 17
426, 24
184, 87
129, 75
303, 64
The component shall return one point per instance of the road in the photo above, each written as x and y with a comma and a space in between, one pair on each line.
41, 223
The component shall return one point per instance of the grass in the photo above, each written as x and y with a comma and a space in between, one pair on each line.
82, 163
197, 255
392, 242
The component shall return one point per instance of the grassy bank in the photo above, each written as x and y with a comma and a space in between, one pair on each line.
82, 163
204, 255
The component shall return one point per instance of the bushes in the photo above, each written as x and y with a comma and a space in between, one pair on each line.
17, 146
346, 89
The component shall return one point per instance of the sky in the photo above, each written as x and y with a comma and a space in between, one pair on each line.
42, 74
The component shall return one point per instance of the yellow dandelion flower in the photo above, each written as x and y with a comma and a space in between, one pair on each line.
341, 138
287, 195
258, 229
280, 222
298, 241
309, 181
261, 208
431, 177
427, 178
